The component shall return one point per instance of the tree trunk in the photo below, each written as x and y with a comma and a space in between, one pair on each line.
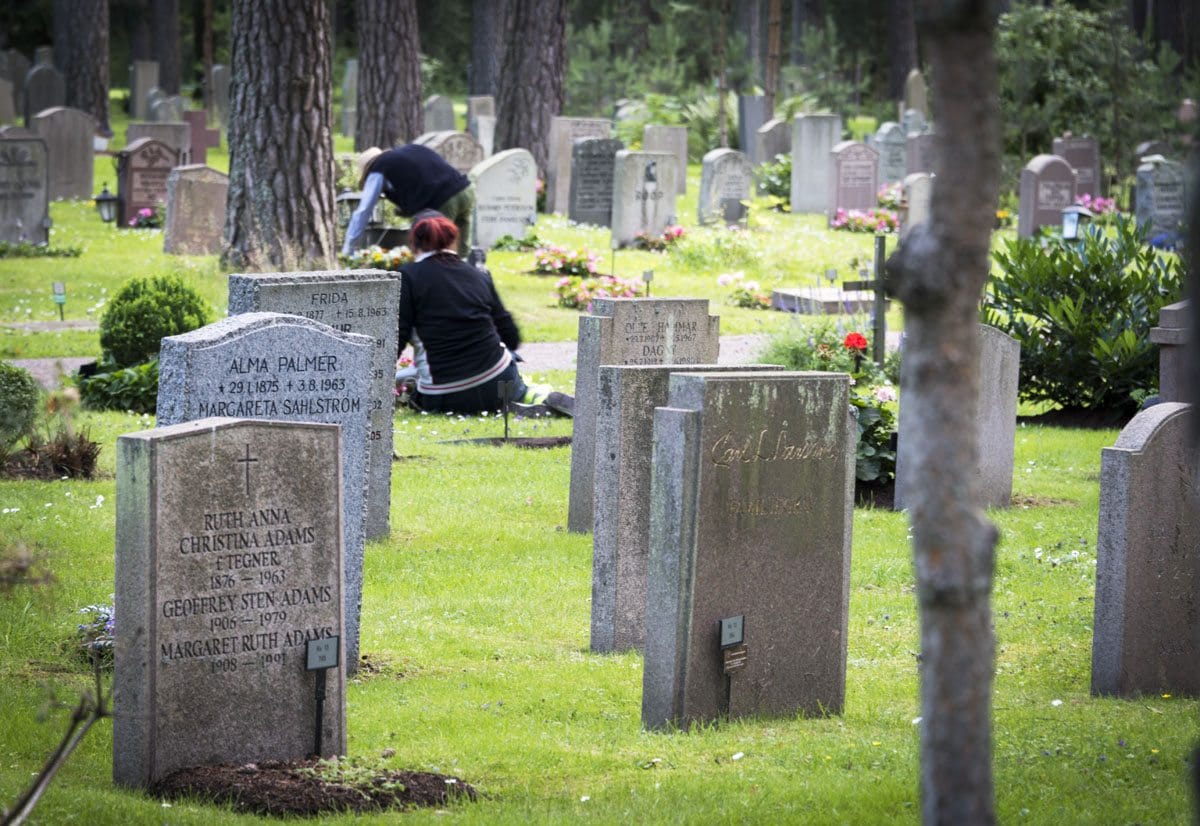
771, 82
207, 56
81, 54
164, 21
137, 20
902, 46
939, 273
487, 45
722, 119
280, 213
389, 74
531, 75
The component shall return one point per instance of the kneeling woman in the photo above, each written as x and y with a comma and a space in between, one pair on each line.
469, 337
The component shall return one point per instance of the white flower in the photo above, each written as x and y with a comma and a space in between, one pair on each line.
1056, 703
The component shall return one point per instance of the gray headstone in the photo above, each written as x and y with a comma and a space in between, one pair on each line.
918, 194
43, 56
1149, 148
673, 140
1161, 196
913, 120
643, 194
893, 153
813, 138
1047, 187
1173, 335
916, 93
352, 301
177, 135
228, 560
196, 199
624, 432
168, 109
853, 176
478, 105
220, 81
8, 109
24, 190
628, 331
751, 505
439, 114
458, 149
68, 134
752, 114
142, 170
273, 366
143, 76
773, 138
563, 134
919, 149
726, 178
593, 162
350, 98
18, 67
45, 88
1083, 154
1147, 588
485, 133
505, 196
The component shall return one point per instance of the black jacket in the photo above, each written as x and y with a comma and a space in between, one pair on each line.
417, 178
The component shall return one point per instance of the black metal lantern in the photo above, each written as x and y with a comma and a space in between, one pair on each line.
106, 205
1074, 218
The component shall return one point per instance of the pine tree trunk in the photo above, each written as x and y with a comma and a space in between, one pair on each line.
771, 82
939, 273
164, 21
389, 74
81, 54
487, 45
137, 21
902, 46
531, 76
280, 213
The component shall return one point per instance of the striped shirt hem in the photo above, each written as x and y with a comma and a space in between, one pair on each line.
467, 383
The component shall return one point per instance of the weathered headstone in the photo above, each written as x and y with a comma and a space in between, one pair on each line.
919, 148
168, 109
142, 169
592, 166
178, 136
1047, 187
752, 114
228, 561
643, 194
1161, 197
1144, 638
350, 98
505, 196
563, 134
485, 133
1173, 335
196, 199
478, 105
628, 331
45, 88
24, 190
773, 138
918, 194
202, 138
8, 109
220, 82
1083, 154
284, 367
853, 176
18, 67
624, 430
893, 153
916, 93
913, 120
458, 149
352, 301
671, 139
726, 177
750, 534
813, 138
68, 134
439, 114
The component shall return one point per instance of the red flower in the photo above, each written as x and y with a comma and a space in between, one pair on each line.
855, 341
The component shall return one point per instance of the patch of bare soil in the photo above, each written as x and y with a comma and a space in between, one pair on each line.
1020, 500
875, 495
1081, 419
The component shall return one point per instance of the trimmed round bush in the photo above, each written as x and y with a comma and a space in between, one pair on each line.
143, 312
19, 394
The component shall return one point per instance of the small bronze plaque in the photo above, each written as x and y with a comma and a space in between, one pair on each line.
735, 658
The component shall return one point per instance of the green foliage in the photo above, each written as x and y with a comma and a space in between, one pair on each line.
875, 456
144, 311
696, 109
705, 249
1083, 313
23, 249
824, 74
19, 395
509, 243
775, 177
125, 388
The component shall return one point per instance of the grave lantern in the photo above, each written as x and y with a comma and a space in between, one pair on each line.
106, 205
1073, 218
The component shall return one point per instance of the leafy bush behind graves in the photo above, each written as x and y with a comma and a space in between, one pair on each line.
19, 395
144, 311
123, 388
1083, 313
775, 177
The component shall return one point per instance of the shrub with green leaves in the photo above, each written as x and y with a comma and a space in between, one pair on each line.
1082, 312
124, 388
19, 395
775, 178
144, 311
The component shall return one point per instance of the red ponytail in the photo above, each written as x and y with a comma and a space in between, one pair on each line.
434, 234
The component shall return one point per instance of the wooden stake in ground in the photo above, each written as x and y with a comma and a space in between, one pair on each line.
939, 274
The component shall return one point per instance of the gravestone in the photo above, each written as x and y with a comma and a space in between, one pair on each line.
43, 56
919, 149
142, 169
350, 98
1047, 187
45, 88
68, 134
196, 199
1083, 154
823, 300
563, 134
726, 177
1161, 197
18, 67
505, 196
628, 331
485, 133
1149, 148
671, 139
8, 109
624, 429
439, 114
752, 493
228, 560
853, 176
752, 114
995, 424
643, 194
353, 301
1147, 579
220, 82
916, 93
202, 138
1173, 335
168, 109
774, 138
283, 367
813, 138
478, 105
918, 194
178, 136
24, 190
893, 153
14, 131
152, 97
458, 149
592, 165
913, 120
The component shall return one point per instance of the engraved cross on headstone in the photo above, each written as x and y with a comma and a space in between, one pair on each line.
246, 462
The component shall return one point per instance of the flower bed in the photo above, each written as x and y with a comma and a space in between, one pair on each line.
378, 258
577, 292
555, 260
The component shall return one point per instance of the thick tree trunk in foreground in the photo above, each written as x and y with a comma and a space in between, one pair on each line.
487, 46
389, 74
280, 213
81, 54
164, 20
531, 88
939, 273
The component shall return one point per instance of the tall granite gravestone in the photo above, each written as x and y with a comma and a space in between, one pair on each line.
1147, 579
1173, 335
725, 180
853, 176
228, 560
201, 138
18, 67
24, 190
8, 109
1083, 154
624, 429
142, 169
220, 82
1047, 187
350, 98
178, 136
273, 366
643, 194
485, 133
143, 76
45, 88
893, 153
916, 93
995, 424
439, 114
593, 162
1161, 197
505, 196
913, 120
918, 195
752, 493
628, 331
352, 301
196, 199
813, 138
68, 134
773, 138
458, 149
479, 105
752, 114
563, 134
671, 139
919, 148
168, 109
